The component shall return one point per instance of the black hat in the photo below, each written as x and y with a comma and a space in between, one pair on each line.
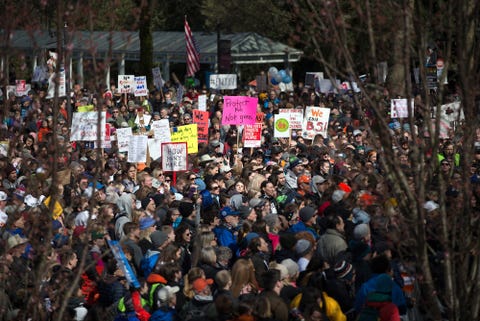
186, 208
306, 213
145, 202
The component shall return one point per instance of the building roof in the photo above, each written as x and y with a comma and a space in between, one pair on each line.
246, 48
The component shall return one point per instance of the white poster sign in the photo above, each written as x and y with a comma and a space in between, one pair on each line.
315, 122
295, 117
399, 108
85, 126
137, 149
154, 148
202, 102
161, 130
223, 81
126, 84
123, 138
13, 89
158, 81
174, 157
281, 125
140, 86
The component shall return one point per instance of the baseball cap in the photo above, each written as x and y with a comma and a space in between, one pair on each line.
256, 202
303, 179
3, 196
228, 211
200, 284
166, 293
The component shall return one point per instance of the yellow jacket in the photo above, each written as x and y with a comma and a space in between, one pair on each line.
332, 309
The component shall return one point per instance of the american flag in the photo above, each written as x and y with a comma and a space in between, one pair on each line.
193, 53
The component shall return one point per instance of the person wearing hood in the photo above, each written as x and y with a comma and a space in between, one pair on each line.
125, 205
319, 185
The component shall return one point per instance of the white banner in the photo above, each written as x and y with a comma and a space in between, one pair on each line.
85, 126
223, 81
315, 122
137, 149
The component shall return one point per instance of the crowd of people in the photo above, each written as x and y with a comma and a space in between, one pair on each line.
296, 229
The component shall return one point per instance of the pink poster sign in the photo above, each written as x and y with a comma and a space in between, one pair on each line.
239, 110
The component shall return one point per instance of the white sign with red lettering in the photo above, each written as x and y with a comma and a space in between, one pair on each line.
126, 84
315, 122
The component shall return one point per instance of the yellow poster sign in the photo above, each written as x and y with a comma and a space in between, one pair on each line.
86, 108
187, 133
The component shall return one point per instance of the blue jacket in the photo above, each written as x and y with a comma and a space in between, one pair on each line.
300, 227
226, 237
163, 315
371, 285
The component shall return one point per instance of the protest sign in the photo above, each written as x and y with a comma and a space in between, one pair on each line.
295, 117
202, 102
174, 157
311, 78
223, 81
259, 117
123, 138
281, 125
122, 262
105, 141
158, 81
399, 108
21, 87
201, 119
85, 126
137, 149
252, 135
155, 148
315, 122
239, 110
161, 130
4, 147
126, 83
140, 88
85, 108
450, 116
13, 89
62, 89
143, 121
188, 134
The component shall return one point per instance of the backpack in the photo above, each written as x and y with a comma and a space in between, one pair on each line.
148, 262
379, 307
192, 312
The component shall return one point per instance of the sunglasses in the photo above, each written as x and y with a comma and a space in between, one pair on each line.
445, 164
168, 180
215, 187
